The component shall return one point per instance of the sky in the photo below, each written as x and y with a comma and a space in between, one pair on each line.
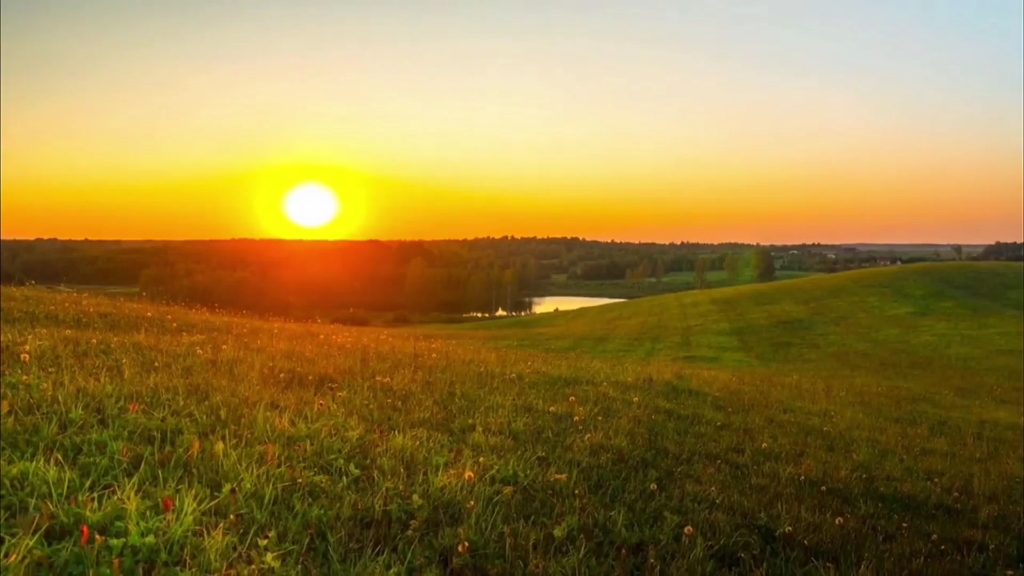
764, 121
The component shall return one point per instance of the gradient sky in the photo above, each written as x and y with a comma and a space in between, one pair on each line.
795, 121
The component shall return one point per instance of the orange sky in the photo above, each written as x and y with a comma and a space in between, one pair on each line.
191, 121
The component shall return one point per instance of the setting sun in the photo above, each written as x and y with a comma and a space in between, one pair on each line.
458, 286
311, 205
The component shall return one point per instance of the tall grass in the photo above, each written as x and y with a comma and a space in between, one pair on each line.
137, 436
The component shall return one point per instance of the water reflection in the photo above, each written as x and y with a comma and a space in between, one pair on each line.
540, 305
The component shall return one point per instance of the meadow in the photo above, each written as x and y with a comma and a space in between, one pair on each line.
867, 422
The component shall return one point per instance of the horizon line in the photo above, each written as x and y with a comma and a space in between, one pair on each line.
508, 237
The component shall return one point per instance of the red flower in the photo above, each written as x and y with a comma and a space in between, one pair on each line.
85, 535
133, 408
168, 505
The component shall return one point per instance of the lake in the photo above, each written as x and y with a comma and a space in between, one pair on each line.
541, 304
552, 303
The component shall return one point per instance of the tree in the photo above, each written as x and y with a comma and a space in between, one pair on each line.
417, 284
732, 267
511, 282
641, 273
659, 269
645, 270
958, 250
700, 273
764, 265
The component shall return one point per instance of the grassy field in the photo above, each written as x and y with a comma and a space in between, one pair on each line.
865, 422
559, 285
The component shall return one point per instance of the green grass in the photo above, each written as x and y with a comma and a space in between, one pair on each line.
867, 422
675, 282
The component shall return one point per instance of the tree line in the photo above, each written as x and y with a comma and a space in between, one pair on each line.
314, 278
1008, 251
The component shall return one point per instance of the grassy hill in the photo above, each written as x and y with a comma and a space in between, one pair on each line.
927, 309
869, 421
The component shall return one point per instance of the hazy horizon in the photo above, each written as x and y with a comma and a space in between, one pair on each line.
512, 236
797, 122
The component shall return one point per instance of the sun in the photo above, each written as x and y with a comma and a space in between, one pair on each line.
311, 205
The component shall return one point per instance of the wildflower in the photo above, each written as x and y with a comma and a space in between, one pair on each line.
24, 349
218, 448
935, 537
688, 531
468, 476
464, 548
635, 400
551, 409
572, 399
133, 408
839, 521
654, 487
764, 446
822, 488
575, 418
471, 505
84, 540
67, 332
320, 404
788, 530
24, 358
560, 477
168, 505
125, 452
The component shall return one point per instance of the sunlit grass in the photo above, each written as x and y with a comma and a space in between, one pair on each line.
203, 442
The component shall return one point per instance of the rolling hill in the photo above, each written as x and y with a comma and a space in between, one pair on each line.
865, 421
958, 316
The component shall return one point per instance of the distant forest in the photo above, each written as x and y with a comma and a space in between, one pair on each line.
325, 278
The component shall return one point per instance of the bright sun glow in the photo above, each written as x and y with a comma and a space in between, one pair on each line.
311, 205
